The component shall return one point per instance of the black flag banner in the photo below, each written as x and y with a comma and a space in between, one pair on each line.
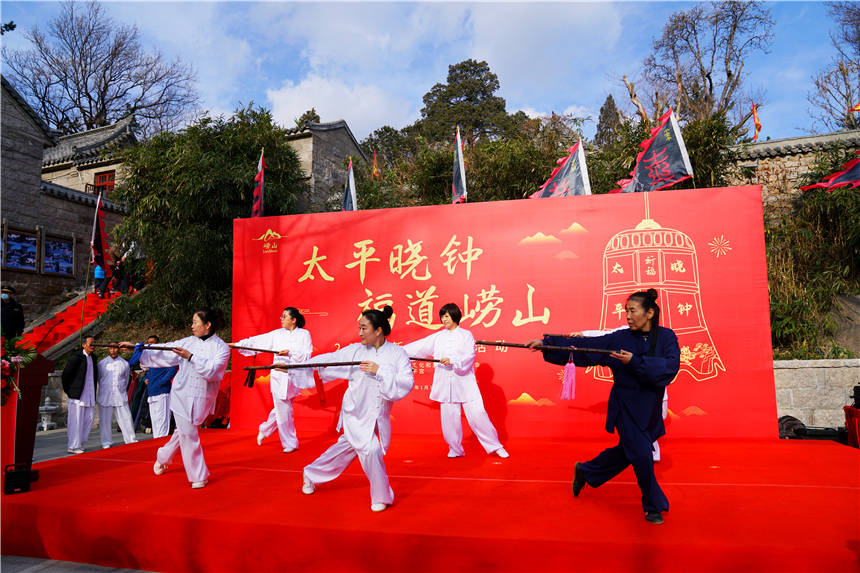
662, 162
569, 178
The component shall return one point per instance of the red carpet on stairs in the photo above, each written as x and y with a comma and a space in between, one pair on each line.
68, 322
736, 505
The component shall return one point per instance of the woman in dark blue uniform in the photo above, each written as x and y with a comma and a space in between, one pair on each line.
646, 360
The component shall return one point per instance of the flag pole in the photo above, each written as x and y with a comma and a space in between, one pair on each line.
89, 265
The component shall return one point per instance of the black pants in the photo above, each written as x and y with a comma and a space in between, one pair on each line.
634, 447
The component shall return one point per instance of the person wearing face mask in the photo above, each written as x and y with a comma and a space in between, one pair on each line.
112, 399
11, 313
645, 361
80, 382
202, 360
383, 376
454, 383
291, 344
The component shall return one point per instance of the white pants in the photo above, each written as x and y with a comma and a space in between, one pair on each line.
186, 439
337, 458
281, 419
159, 414
79, 423
479, 421
655, 447
123, 418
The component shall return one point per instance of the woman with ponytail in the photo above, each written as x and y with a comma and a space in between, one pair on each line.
645, 361
383, 376
291, 344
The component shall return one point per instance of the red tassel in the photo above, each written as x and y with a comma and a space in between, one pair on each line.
568, 387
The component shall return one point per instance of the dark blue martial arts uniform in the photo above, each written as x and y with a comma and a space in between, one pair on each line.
635, 403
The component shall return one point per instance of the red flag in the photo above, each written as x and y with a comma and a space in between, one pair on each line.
349, 200
99, 253
663, 160
375, 166
257, 206
569, 178
458, 187
849, 175
756, 122
855, 108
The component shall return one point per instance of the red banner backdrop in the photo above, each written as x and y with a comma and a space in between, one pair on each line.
518, 269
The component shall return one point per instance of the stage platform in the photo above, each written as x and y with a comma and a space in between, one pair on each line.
736, 505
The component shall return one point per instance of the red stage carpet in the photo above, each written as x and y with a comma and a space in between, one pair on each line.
764, 505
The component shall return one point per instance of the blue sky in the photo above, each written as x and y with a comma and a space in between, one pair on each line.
371, 62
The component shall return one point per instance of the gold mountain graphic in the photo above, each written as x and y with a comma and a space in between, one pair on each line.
268, 236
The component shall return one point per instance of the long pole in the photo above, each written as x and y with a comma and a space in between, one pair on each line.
545, 347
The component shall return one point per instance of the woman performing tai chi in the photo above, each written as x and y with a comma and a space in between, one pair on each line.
645, 361
202, 360
383, 376
291, 344
454, 383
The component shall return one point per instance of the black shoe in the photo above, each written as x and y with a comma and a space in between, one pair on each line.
654, 517
578, 480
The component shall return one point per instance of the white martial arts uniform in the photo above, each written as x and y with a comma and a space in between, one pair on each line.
365, 412
114, 374
455, 385
192, 396
284, 385
82, 410
655, 447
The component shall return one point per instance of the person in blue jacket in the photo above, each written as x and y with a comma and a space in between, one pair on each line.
157, 386
645, 361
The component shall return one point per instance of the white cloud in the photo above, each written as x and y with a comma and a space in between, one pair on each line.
364, 107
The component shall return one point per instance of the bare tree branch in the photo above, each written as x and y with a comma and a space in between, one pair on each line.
86, 71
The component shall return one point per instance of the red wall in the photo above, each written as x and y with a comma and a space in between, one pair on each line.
573, 258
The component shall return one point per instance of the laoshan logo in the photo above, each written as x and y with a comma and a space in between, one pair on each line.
270, 241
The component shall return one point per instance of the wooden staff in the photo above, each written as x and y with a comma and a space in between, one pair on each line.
118, 345
321, 364
255, 349
545, 347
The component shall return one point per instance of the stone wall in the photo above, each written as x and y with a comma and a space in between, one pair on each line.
27, 208
779, 165
815, 391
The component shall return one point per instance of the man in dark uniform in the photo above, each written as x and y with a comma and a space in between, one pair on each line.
12, 314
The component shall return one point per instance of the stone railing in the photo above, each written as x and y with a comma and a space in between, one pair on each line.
815, 391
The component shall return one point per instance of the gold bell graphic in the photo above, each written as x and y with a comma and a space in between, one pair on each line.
651, 256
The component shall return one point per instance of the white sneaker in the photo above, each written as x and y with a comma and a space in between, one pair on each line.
502, 453
307, 485
378, 506
453, 454
289, 450
105, 447
158, 468
75, 451
199, 484
260, 438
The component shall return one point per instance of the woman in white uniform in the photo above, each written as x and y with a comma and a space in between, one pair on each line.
114, 374
291, 344
383, 377
454, 383
202, 360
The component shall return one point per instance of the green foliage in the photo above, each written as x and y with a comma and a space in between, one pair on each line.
467, 99
708, 143
608, 122
183, 191
813, 254
614, 161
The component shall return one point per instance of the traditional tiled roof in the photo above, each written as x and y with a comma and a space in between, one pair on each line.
40, 123
89, 146
310, 127
797, 145
76, 196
